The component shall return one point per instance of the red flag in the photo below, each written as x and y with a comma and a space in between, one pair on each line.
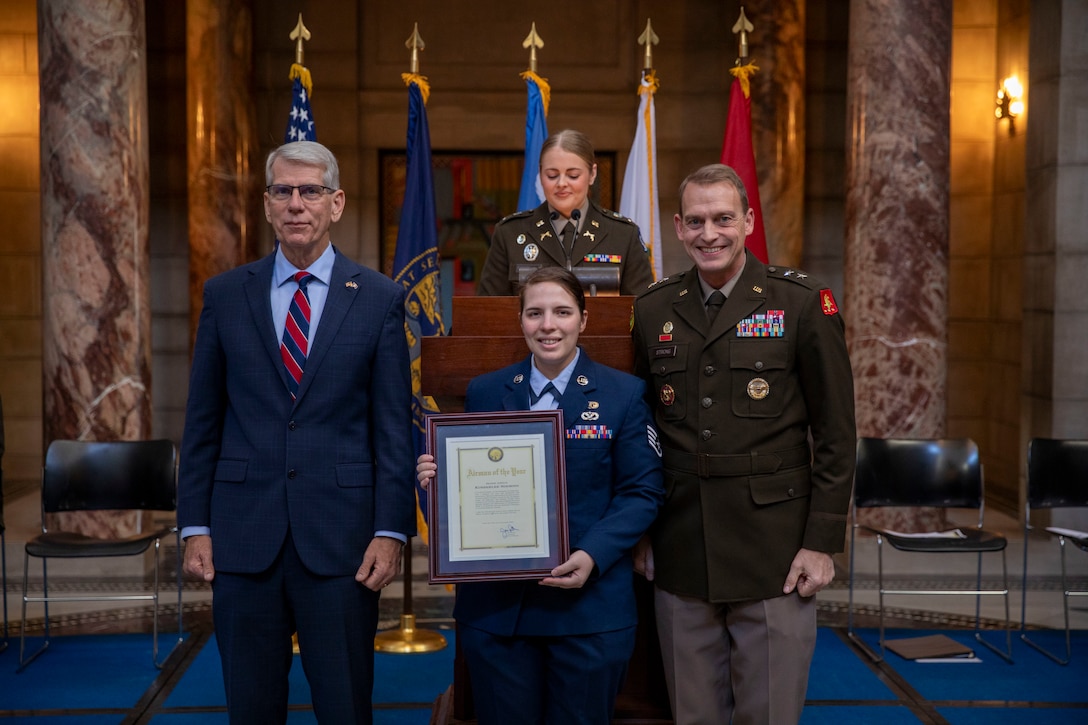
737, 152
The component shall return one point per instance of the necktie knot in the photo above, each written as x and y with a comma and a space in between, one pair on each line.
303, 278
549, 388
714, 304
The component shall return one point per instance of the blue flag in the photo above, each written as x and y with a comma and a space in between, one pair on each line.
300, 123
536, 131
416, 262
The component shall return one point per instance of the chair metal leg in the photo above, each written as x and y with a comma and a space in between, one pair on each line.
850, 633
24, 662
1065, 607
1007, 653
181, 637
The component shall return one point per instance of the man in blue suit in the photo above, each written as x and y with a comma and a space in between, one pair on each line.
295, 479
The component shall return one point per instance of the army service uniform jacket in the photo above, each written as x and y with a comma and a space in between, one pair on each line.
735, 402
527, 239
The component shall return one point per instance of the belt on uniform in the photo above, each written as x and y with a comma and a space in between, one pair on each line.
741, 464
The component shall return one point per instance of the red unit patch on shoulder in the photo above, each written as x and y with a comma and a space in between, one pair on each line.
827, 302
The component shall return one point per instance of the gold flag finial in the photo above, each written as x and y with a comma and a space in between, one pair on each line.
415, 44
299, 34
743, 27
532, 42
649, 39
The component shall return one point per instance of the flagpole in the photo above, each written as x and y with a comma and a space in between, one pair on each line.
737, 145
406, 639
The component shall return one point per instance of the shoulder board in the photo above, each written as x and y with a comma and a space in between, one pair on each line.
793, 275
516, 215
617, 216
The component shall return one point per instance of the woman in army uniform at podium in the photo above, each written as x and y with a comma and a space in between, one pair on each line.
568, 230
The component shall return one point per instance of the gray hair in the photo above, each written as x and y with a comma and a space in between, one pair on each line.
307, 153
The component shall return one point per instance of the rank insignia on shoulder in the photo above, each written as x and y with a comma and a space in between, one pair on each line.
827, 302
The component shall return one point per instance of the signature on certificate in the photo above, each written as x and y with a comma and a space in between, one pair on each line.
508, 531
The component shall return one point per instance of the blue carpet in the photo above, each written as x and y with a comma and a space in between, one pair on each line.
858, 715
78, 664
102, 679
839, 674
1031, 678
404, 680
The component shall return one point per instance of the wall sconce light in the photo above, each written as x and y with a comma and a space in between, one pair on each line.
1010, 102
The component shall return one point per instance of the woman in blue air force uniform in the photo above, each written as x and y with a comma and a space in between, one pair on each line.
556, 650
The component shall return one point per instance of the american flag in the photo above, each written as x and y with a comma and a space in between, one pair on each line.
300, 124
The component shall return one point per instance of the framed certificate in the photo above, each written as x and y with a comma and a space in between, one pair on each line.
498, 506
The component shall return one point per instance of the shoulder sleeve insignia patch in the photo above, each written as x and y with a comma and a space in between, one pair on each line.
827, 302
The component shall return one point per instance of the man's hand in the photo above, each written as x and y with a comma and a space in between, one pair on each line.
644, 558
426, 469
381, 563
198, 557
810, 572
572, 573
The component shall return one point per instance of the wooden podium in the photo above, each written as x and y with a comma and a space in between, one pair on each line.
485, 335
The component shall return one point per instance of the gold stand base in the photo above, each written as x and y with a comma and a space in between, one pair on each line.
408, 639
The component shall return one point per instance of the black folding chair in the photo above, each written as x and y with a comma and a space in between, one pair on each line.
1057, 478
96, 476
938, 473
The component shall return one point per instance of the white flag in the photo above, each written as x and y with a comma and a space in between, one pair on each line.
638, 198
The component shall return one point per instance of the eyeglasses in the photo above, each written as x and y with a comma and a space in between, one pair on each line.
308, 192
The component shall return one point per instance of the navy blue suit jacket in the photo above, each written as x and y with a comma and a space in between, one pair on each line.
336, 464
614, 489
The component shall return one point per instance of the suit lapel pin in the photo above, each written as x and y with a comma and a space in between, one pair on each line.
352, 285
518, 378
583, 380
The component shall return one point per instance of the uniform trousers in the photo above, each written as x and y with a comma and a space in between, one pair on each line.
546, 680
740, 662
336, 619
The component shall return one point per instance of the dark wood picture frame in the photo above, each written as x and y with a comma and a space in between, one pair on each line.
453, 562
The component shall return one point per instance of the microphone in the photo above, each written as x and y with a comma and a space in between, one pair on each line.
555, 215
574, 217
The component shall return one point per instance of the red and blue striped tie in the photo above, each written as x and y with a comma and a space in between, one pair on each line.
296, 333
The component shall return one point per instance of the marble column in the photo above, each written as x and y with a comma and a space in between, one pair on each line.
897, 218
96, 311
224, 196
777, 46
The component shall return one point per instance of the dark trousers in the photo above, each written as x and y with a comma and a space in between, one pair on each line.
335, 617
546, 680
